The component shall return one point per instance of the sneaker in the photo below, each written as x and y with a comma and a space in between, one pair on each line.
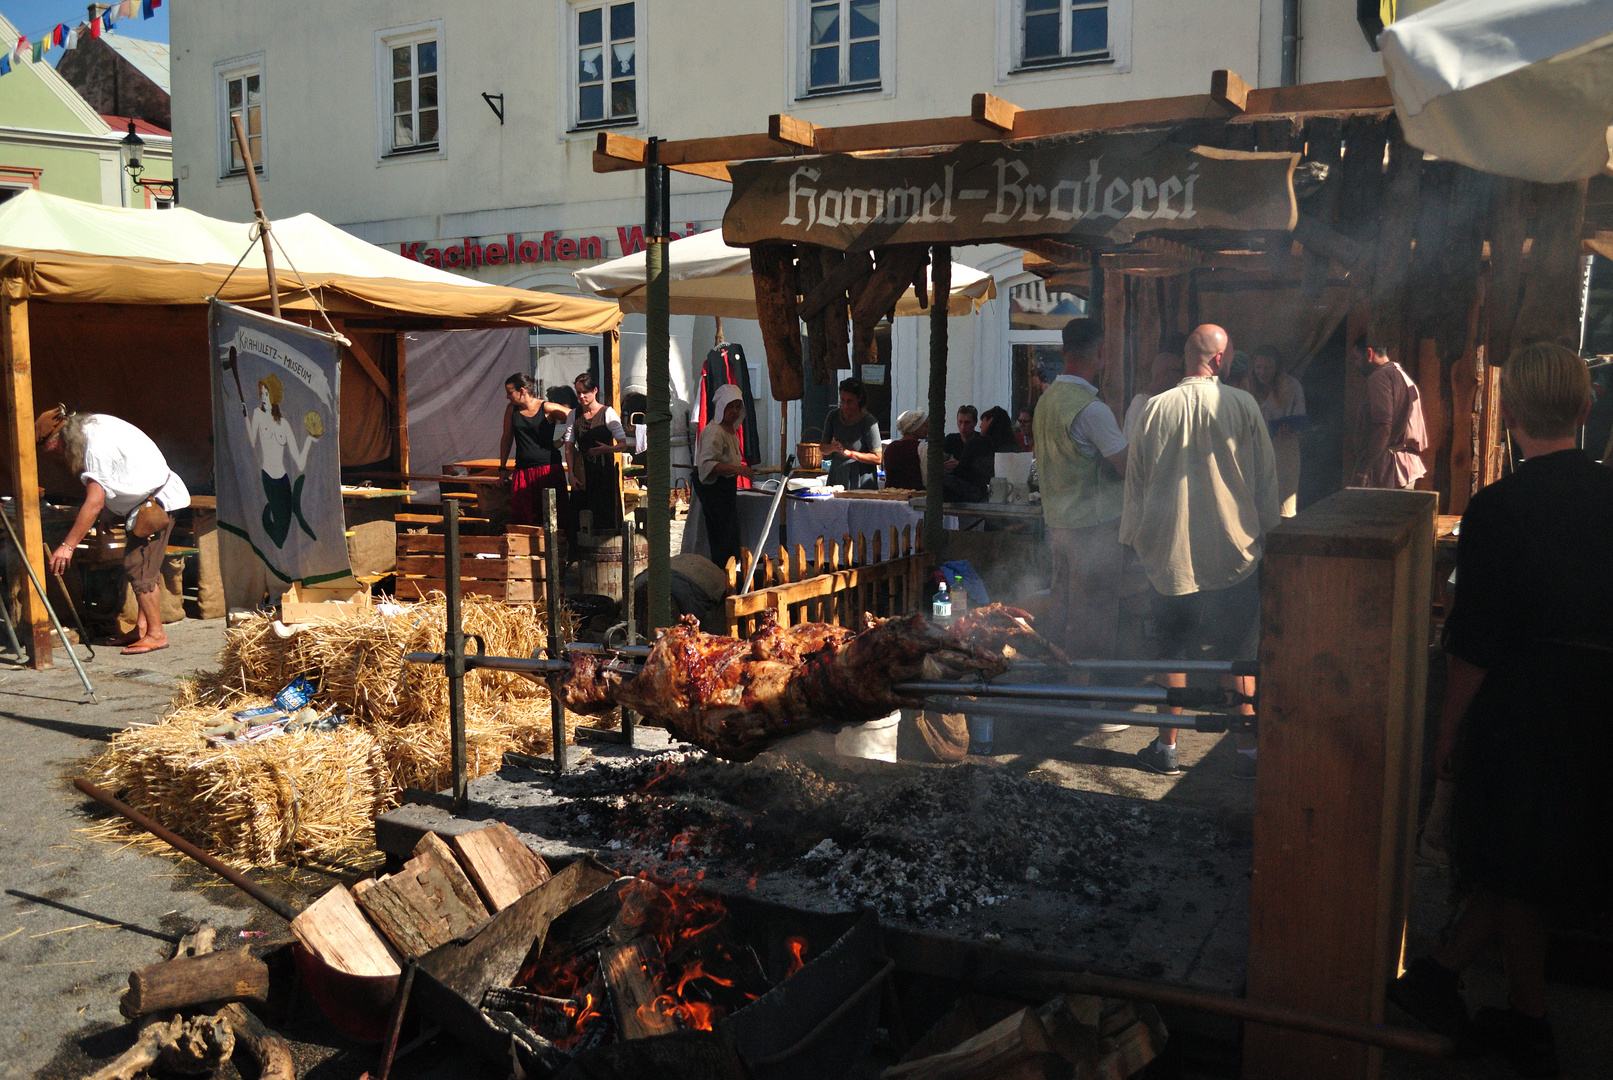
1243, 766
1526, 1042
1429, 993
979, 749
1161, 759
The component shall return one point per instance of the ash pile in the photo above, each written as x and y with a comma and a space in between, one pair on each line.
975, 851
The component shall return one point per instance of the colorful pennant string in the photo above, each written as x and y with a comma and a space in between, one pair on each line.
33, 51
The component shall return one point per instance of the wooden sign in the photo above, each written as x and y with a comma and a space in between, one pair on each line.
1103, 188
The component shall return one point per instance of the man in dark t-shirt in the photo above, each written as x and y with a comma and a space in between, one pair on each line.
970, 460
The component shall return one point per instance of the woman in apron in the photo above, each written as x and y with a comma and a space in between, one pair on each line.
718, 464
593, 434
530, 425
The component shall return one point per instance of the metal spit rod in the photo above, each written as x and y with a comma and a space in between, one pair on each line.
453, 655
767, 526
1205, 723
1143, 667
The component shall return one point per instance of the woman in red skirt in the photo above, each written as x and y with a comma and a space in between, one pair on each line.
529, 423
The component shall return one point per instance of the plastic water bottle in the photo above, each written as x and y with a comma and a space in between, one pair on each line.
941, 609
960, 596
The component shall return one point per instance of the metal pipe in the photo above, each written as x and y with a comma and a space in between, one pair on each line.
553, 603
263, 896
1185, 697
1205, 723
1290, 55
658, 381
638, 652
629, 721
767, 525
1184, 667
39, 587
454, 651
516, 664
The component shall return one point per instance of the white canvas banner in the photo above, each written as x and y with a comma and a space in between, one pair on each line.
276, 443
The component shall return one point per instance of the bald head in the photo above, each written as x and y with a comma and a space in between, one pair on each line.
1206, 348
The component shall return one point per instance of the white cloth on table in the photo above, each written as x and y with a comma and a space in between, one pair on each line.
833, 519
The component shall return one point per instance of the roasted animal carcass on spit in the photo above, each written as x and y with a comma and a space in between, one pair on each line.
734, 697
999, 628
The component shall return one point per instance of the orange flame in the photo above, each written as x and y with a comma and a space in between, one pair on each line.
797, 947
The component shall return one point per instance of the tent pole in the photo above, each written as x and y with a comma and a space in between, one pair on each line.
257, 212
658, 379
22, 461
935, 454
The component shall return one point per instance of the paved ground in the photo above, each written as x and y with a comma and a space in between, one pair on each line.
77, 915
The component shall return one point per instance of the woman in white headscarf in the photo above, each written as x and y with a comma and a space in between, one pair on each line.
718, 464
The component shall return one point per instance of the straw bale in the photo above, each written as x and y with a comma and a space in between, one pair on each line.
316, 794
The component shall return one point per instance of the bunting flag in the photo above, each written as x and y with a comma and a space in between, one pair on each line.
19, 54
72, 39
108, 19
39, 51
65, 37
58, 36
5, 64
147, 9
127, 9
95, 28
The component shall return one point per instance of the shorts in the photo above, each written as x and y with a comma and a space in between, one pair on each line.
1216, 624
142, 559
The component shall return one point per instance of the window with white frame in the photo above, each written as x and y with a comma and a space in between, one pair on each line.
842, 46
1055, 32
413, 91
605, 55
240, 93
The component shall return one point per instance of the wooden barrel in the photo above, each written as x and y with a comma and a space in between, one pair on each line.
599, 564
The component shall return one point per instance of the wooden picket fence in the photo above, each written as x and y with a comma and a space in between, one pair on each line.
837, 583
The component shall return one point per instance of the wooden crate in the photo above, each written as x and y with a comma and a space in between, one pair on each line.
507, 567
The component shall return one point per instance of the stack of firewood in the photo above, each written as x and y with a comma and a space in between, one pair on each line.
192, 1014
1071, 1037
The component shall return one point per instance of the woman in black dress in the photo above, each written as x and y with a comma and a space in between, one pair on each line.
594, 434
1527, 710
529, 424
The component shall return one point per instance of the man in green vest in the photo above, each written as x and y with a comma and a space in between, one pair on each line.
1081, 466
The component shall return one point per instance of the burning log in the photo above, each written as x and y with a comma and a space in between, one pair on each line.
736, 697
635, 973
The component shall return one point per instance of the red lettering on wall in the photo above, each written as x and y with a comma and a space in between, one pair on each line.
495, 254
473, 252
410, 251
592, 247
631, 241
528, 251
453, 256
432, 257
568, 249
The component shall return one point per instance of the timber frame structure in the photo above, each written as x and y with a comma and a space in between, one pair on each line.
1454, 265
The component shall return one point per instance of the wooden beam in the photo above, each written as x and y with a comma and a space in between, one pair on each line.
836, 282
1345, 95
371, 368
400, 406
623, 153
22, 461
988, 109
1229, 89
788, 129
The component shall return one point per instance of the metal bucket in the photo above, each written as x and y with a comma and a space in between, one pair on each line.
599, 563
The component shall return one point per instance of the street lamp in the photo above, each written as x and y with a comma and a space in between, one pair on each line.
133, 151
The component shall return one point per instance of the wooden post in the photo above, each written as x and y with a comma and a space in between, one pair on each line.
935, 454
400, 405
1341, 737
22, 462
257, 211
1549, 309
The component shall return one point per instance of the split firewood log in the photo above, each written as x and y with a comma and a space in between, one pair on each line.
189, 981
194, 1047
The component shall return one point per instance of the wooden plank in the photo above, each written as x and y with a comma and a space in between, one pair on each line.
833, 282
616, 153
503, 868
1508, 225
784, 128
1328, 243
773, 277
433, 544
514, 592
636, 975
1549, 309
1340, 756
470, 568
434, 850
994, 111
334, 930
836, 317
888, 282
1346, 95
371, 368
22, 463
1229, 90
1466, 411
418, 908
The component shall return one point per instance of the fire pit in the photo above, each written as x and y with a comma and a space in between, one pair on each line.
629, 976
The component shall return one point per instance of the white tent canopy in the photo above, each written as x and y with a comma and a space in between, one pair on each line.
1522, 88
711, 278
35, 221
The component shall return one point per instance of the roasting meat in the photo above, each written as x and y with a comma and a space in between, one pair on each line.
735, 697
1004, 630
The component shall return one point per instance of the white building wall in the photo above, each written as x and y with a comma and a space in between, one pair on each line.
706, 68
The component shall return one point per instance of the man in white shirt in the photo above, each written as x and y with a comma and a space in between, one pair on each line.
1080, 463
122, 470
1200, 494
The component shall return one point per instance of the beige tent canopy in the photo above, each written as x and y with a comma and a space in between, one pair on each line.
105, 310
